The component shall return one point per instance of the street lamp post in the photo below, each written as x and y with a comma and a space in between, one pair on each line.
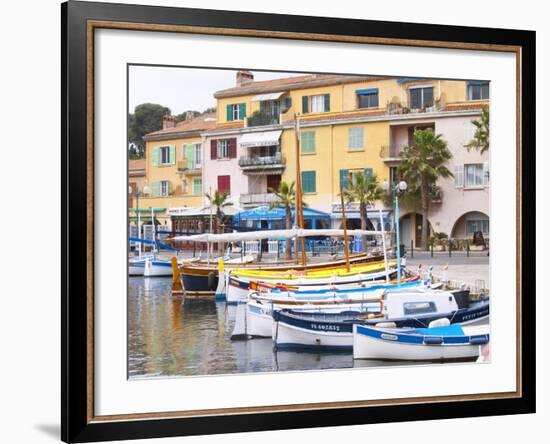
396, 188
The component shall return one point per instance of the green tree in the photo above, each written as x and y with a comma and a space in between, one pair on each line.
145, 119
481, 136
219, 200
286, 199
212, 109
421, 165
364, 189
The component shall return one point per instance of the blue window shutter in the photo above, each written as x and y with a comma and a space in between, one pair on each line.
327, 102
368, 172
344, 176
155, 157
305, 104
229, 110
242, 111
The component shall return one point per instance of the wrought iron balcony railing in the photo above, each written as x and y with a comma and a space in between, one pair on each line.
261, 161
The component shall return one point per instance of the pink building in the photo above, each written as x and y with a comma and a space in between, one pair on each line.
460, 205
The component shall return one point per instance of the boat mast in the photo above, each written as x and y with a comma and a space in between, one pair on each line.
344, 223
299, 212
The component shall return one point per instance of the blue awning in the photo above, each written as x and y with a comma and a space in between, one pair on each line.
363, 92
408, 79
265, 213
478, 82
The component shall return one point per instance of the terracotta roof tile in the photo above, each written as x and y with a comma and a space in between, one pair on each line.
136, 164
289, 83
203, 122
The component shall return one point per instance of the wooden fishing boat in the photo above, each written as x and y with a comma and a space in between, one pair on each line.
255, 318
204, 277
237, 283
294, 329
451, 342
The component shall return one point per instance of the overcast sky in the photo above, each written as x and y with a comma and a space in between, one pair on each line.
182, 89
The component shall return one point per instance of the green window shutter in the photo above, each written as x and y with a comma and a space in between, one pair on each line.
172, 154
308, 182
305, 104
189, 155
155, 159
242, 111
155, 189
308, 142
229, 109
327, 102
344, 176
368, 172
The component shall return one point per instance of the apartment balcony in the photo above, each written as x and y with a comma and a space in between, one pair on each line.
257, 164
263, 119
188, 168
393, 108
392, 153
257, 199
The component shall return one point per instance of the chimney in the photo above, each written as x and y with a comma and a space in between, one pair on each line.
244, 77
168, 121
189, 115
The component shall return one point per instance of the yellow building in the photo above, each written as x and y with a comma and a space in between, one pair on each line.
173, 167
347, 124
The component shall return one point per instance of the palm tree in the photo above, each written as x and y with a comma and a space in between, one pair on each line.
220, 201
421, 165
286, 199
363, 188
481, 136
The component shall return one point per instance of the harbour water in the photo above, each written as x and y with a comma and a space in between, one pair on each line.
172, 336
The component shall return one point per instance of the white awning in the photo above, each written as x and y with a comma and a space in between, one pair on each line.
264, 138
270, 96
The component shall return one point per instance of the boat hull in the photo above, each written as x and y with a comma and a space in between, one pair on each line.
157, 268
385, 344
201, 277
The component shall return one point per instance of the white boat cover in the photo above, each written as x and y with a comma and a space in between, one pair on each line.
272, 234
263, 138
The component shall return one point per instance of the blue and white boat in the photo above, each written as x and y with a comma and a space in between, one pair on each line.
451, 342
149, 265
293, 329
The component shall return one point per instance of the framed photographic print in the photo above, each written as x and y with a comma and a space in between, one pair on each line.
276, 221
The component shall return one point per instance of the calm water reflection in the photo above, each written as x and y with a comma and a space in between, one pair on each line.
169, 336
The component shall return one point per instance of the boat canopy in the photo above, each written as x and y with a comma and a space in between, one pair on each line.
272, 234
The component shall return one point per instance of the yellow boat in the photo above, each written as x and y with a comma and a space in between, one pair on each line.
340, 270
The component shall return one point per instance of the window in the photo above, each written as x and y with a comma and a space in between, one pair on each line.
197, 186
421, 97
164, 188
273, 181
184, 186
478, 90
355, 138
165, 155
393, 175
308, 142
198, 155
224, 184
367, 98
316, 104
414, 308
474, 225
347, 175
309, 184
235, 111
223, 149
473, 175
